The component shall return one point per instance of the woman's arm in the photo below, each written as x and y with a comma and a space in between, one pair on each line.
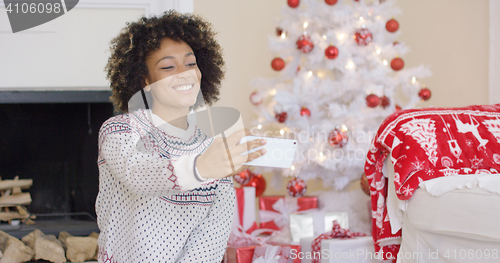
143, 173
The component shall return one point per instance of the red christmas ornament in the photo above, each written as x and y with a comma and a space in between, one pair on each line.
425, 93
363, 36
372, 100
331, 52
338, 137
296, 187
293, 3
277, 64
384, 102
305, 111
397, 64
304, 43
281, 117
257, 181
392, 25
243, 177
330, 2
256, 98
279, 31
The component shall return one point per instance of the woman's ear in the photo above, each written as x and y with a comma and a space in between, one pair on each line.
147, 88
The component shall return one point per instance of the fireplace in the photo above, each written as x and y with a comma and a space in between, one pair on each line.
51, 137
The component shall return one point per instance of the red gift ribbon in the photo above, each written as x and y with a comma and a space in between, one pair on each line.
337, 232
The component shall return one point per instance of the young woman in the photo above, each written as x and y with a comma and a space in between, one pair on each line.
164, 195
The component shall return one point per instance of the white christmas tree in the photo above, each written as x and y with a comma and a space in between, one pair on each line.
340, 74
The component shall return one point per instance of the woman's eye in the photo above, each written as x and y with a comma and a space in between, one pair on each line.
170, 67
192, 64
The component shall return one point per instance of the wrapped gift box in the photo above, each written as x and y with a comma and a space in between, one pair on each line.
337, 250
244, 210
244, 254
315, 223
267, 205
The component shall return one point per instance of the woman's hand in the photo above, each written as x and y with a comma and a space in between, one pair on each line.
219, 162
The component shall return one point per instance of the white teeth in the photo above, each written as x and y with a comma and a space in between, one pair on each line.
185, 87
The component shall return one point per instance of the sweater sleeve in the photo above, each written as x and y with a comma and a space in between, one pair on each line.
147, 174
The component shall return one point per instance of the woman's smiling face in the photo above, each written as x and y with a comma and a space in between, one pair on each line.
173, 76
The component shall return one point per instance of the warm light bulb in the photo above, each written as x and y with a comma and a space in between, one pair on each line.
341, 36
292, 167
350, 65
324, 37
282, 132
378, 17
259, 126
309, 73
360, 18
283, 35
413, 80
385, 62
344, 128
378, 51
321, 75
306, 25
273, 92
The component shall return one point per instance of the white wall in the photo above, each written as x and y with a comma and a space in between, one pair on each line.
494, 62
70, 52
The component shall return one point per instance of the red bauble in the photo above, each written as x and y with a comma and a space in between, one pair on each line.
392, 25
397, 64
277, 64
331, 52
338, 137
425, 94
372, 100
279, 31
305, 44
330, 2
256, 98
363, 36
293, 3
384, 102
243, 177
305, 111
296, 187
257, 181
281, 117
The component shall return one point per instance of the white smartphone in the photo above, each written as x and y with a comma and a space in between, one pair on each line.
280, 152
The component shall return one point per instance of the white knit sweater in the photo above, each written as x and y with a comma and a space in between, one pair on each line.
152, 206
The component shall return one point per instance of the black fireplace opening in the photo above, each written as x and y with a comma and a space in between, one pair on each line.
54, 142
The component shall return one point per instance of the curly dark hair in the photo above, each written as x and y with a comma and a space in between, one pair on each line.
127, 70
